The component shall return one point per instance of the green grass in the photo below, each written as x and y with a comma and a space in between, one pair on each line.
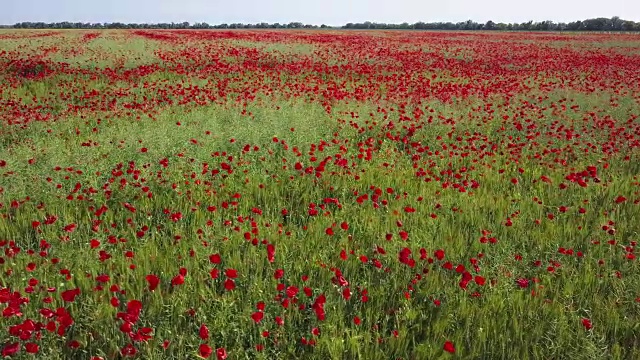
73, 166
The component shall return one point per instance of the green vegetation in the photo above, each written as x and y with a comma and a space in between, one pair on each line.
280, 196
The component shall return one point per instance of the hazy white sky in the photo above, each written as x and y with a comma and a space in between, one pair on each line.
330, 12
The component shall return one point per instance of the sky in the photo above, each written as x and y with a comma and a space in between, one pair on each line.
330, 12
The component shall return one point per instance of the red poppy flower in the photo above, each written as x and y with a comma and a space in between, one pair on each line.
257, 316
205, 350
221, 354
70, 295
215, 258
153, 281
203, 332
231, 273
229, 284
448, 347
10, 349
177, 280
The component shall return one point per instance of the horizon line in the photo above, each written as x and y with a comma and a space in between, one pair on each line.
314, 24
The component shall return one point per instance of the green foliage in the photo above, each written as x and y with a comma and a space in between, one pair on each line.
214, 178
597, 24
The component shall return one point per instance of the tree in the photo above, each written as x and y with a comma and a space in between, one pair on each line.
490, 25
599, 24
616, 23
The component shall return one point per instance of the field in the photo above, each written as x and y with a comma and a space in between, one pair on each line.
319, 195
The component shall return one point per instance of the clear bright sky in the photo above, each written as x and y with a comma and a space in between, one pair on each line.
330, 12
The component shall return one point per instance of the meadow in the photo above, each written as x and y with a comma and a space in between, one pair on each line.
328, 194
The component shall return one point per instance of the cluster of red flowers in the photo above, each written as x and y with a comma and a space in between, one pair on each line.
424, 124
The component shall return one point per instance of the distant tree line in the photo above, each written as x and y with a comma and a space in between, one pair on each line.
182, 25
597, 24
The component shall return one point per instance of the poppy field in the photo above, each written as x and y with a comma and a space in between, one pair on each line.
185, 194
